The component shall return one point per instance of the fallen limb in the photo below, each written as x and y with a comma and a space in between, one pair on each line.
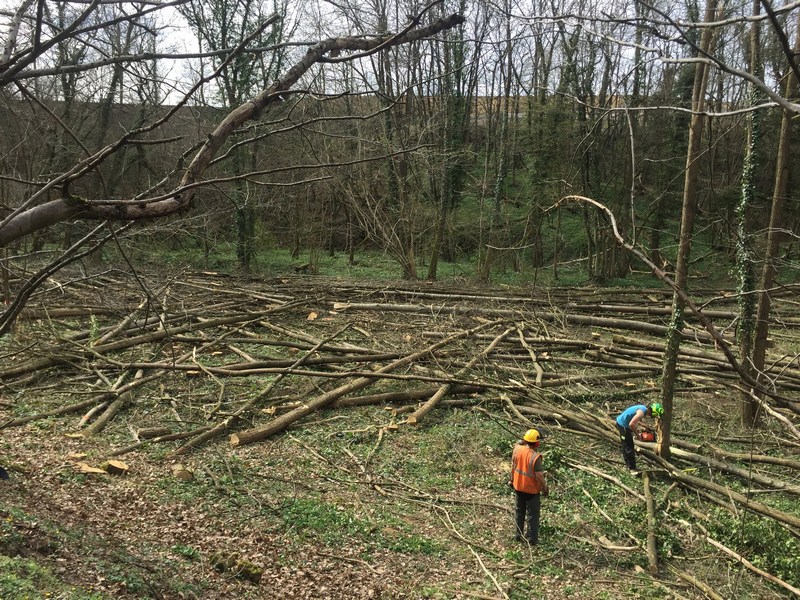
698, 483
604, 540
557, 317
56, 356
795, 432
111, 411
652, 549
741, 456
404, 396
161, 438
280, 423
746, 475
534, 359
120, 396
488, 573
607, 477
64, 410
442, 391
741, 559
227, 422
559, 417
703, 587
122, 324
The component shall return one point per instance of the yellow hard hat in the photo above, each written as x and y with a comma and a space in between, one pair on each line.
531, 436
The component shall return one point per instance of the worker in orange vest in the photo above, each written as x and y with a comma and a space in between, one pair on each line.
527, 479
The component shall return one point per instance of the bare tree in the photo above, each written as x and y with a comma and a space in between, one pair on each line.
775, 228
688, 212
744, 244
224, 24
62, 196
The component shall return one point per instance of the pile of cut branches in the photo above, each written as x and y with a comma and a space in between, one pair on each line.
206, 358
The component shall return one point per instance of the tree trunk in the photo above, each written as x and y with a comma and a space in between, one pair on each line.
669, 372
744, 249
769, 271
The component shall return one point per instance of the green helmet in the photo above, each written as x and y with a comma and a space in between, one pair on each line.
656, 409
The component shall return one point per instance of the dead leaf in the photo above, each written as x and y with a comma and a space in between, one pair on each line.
269, 411
312, 316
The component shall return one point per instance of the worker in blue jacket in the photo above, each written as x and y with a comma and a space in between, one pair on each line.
628, 427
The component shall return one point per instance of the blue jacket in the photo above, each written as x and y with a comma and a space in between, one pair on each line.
624, 419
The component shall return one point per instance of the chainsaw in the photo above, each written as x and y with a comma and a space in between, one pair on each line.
648, 435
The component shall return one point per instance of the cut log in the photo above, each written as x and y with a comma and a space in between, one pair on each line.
116, 467
182, 473
557, 317
148, 433
746, 475
113, 408
83, 467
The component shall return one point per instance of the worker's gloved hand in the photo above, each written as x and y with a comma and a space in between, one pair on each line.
637, 436
511, 485
546, 492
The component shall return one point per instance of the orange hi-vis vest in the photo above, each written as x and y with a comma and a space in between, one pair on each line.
523, 460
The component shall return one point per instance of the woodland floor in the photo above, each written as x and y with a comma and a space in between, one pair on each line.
354, 501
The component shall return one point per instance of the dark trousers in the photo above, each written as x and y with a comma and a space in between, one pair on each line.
528, 506
626, 441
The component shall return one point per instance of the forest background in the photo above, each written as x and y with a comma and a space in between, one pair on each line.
473, 144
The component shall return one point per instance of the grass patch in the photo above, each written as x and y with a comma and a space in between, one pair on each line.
25, 579
319, 519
